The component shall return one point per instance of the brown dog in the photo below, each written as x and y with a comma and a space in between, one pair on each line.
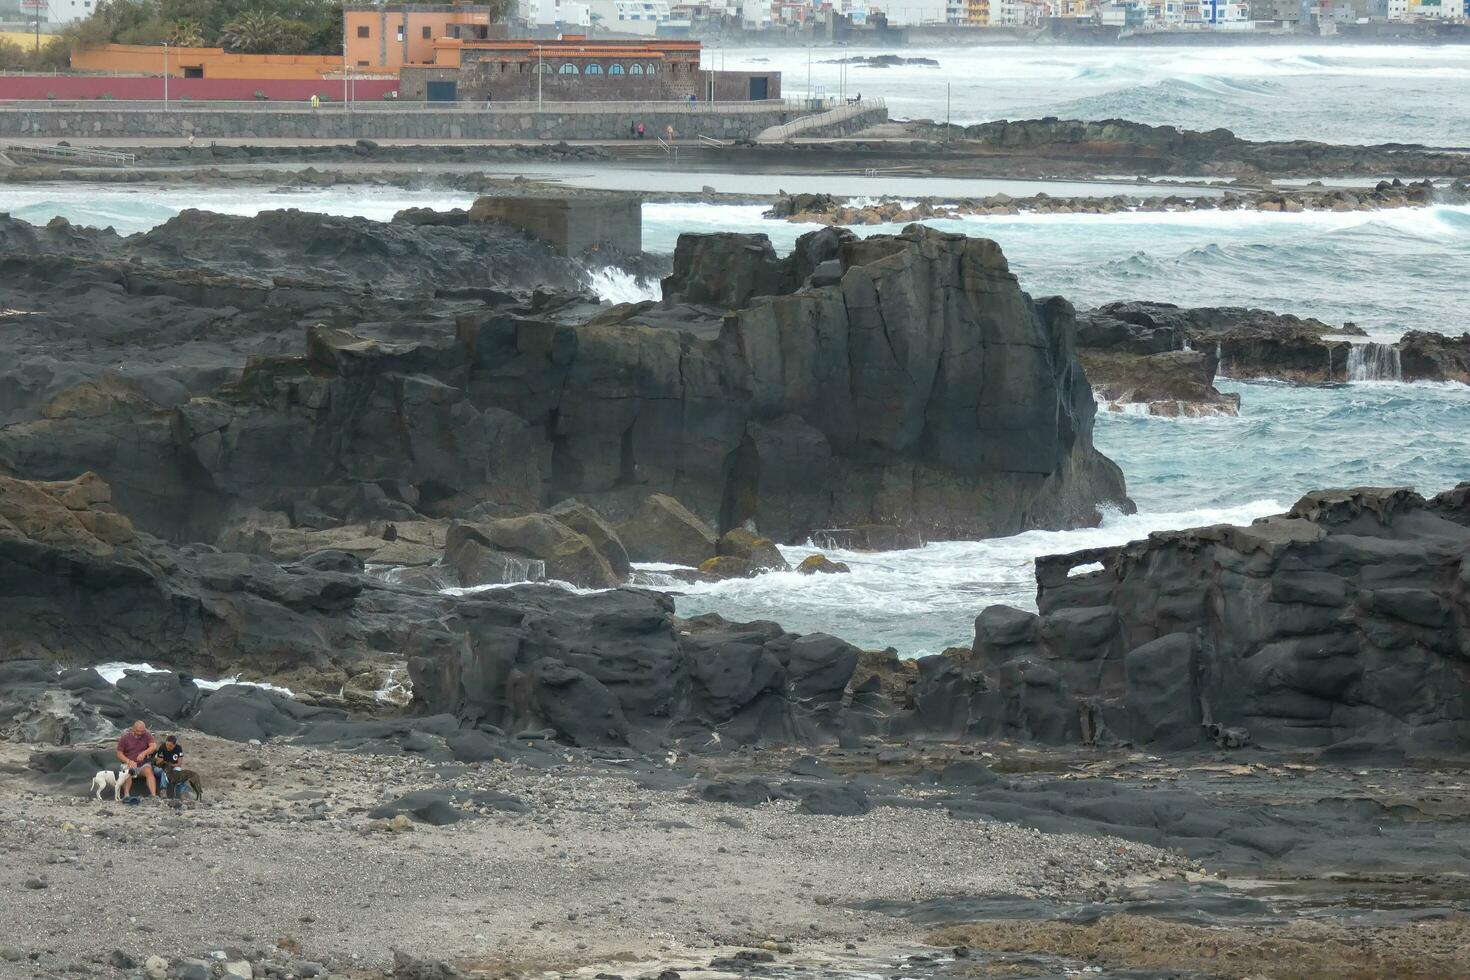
179, 778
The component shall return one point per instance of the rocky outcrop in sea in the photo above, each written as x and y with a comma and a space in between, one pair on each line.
902, 380
1133, 147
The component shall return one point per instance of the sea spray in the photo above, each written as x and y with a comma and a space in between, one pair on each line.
620, 286
924, 600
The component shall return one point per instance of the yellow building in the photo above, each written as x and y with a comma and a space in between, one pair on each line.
26, 40
977, 13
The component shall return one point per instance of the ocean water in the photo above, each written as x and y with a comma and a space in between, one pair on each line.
1387, 271
1181, 472
1338, 93
1337, 267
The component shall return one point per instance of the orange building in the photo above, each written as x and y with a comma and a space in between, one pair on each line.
387, 36
154, 59
571, 68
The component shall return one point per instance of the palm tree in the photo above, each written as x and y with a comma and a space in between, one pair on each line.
185, 34
254, 33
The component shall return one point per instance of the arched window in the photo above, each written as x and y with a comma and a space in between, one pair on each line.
567, 69
542, 68
635, 69
653, 69
592, 69
616, 69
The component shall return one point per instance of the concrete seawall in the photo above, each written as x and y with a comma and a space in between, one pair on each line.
841, 121
504, 122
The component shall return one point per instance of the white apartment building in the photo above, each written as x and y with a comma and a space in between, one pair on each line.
629, 16
1426, 9
1226, 15
1169, 13
755, 15
57, 11
911, 13
559, 13
1017, 13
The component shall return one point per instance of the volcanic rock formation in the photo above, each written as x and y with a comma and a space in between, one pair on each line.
1345, 622
903, 381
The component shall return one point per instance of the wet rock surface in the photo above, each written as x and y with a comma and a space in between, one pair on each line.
1427, 356
1124, 346
1243, 343
1171, 383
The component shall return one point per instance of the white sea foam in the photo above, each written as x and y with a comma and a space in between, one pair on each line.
620, 286
1195, 86
116, 670
923, 600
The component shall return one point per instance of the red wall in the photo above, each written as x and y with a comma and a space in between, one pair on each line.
197, 89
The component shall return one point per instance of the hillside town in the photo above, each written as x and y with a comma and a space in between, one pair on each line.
829, 19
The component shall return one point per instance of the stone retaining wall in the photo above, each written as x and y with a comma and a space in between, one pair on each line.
733, 122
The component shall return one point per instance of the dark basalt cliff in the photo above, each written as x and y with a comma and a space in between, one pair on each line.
1345, 622
904, 380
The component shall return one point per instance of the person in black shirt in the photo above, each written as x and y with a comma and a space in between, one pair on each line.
170, 756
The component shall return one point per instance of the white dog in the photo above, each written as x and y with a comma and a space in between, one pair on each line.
110, 779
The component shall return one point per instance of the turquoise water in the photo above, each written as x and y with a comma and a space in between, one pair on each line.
1290, 439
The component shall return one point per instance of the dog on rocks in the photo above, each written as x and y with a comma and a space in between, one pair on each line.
179, 778
1228, 738
110, 779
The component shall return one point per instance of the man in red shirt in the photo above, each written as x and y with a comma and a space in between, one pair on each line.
135, 750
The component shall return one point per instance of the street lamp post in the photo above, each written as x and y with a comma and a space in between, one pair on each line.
165, 76
540, 71
809, 98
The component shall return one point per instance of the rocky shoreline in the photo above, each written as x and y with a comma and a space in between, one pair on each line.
325, 455
823, 209
1034, 148
1164, 359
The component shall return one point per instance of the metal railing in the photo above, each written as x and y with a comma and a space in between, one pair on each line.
796, 127
73, 154
405, 105
711, 141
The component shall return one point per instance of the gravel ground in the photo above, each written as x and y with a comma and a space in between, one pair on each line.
283, 855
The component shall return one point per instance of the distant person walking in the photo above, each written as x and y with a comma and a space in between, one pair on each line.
640, 130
